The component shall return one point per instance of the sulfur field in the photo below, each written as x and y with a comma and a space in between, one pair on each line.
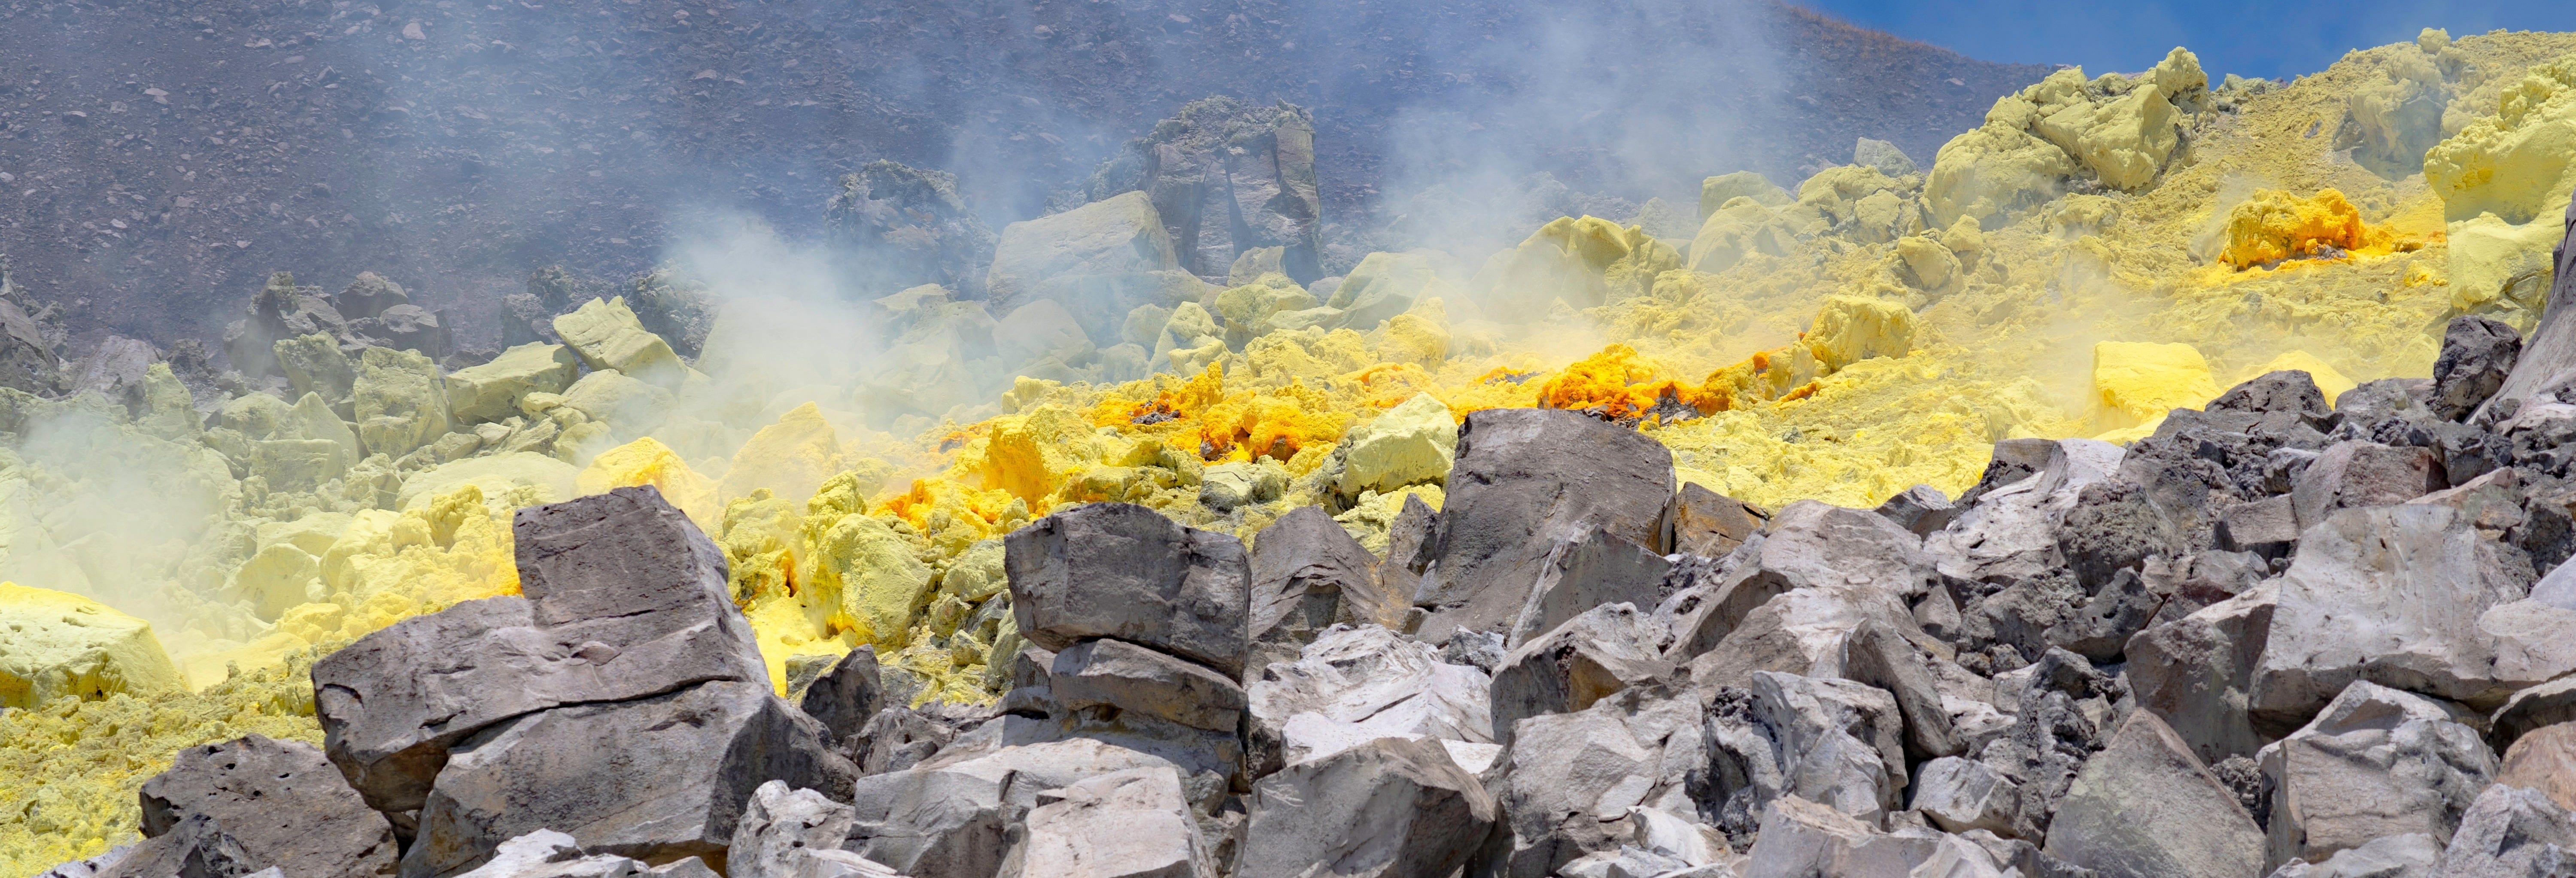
184, 535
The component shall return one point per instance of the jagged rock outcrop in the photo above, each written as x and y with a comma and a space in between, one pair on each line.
1227, 176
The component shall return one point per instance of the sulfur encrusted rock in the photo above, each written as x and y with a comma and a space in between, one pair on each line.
1409, 444
608, 335
400, 401
491, 391
59, 645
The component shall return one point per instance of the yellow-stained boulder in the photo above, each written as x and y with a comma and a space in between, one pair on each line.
525, 477
1715, 192
628, 406
790, 458
608, 335
314, 532
392, 565
1926, 263
649, 462
491, 391
1413, 338
1118, 235
401, 401
1741, 227
1996, 169
1584, 262
2519, 164
1867, 204
276, 578
312, 418
876, 575
2273, 225
1373, 516
57, 644
1850, 329
1412, 443
1032, 453
2498, 266
2126, 140
2135, 382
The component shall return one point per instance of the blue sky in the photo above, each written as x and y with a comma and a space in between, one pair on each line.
2275, 39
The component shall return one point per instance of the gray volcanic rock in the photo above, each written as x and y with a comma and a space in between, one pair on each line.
1389, 807
1124, 571
673, 781
621, 598
1525, 481
1307, 575
254, 804
2390, 594
2144, 807
2378, 762
2477, 354
1589, 657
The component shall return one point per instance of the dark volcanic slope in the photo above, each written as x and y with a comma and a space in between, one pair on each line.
158, 159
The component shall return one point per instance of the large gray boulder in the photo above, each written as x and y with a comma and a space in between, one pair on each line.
1525, 481
1358, 684
2377, 762
1808, 544
672, 779
2511, 832
782, 829
252, 804
2544, 760
1831, 741
1877, 655
2352, 474
621, 597
2388, 594
1961, 795
1596, 570
1131, 678
2009, 533
1133, 823
1571, 777
1125, 571
1309, 574
2195, 672
1805, 631
1582, 661
2477, 353
947, 818
2145, 807
1802, 839
847, 695
1390, 807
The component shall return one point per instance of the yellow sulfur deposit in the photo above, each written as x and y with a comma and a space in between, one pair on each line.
2140, 381
2274, 226
69, 770
649, 462
55, 645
